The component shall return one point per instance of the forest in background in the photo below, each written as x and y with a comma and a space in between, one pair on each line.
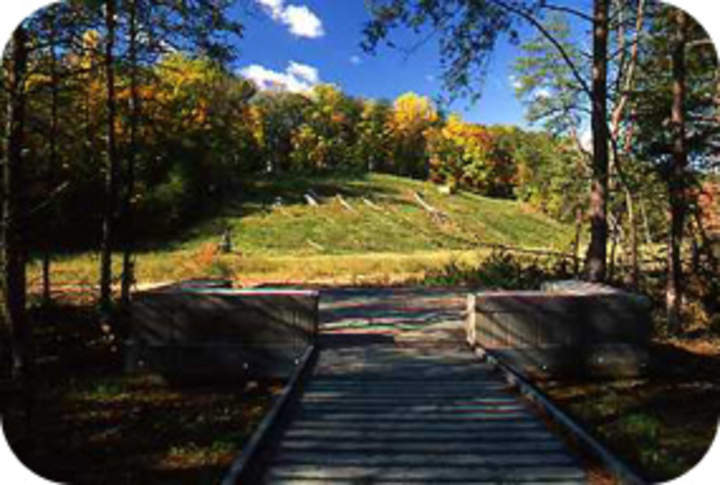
124, 123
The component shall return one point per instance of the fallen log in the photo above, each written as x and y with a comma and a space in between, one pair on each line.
315, 245
437, 214
311, 200
371, 204
344, 203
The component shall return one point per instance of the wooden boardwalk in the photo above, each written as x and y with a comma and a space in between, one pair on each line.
376, 412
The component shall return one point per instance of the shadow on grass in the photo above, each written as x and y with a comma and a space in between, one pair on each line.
87, 422
662, 423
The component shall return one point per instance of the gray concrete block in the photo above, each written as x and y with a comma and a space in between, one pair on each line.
200, 330
574, 328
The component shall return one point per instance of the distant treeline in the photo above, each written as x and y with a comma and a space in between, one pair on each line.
204, 130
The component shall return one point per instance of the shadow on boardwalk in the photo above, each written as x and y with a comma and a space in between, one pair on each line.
376, 412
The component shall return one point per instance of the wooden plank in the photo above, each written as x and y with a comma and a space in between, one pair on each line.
450, 445
407, 407
381, 458
621, 470
241, 469
405, 474
373, 400
408, 416
473, 427
374, 413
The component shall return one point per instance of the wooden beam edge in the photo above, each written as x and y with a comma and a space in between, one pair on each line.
239, 471
621, 470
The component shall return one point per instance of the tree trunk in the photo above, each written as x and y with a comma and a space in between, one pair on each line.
16, 330
111, 165
595, 262
576, 243
128, 273
676, 178
626, 86
634, 275
646, 224
46, 287
53, 162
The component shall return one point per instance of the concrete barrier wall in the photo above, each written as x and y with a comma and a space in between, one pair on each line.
221, 332
593, 331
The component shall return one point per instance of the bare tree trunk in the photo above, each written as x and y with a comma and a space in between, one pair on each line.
676, 181
646, 224
111, 166
128, 273
46, 286
576, 243
626, 86
634, 276
613, 252
595, 261
53, 162
16, 331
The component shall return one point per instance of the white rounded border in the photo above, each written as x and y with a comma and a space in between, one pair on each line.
706, 472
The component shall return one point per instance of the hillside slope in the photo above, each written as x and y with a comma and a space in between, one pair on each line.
384, 237
263, 224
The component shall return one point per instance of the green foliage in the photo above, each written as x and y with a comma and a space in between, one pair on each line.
469, 155
551, 174
204, 131
501, 270
547, 85
645, 428
467, 31
653, 100
325, 140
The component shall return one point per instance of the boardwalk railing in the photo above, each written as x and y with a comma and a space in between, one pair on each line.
218, 332
586, 330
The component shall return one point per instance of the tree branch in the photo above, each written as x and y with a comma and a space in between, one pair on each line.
571, 11
538, 25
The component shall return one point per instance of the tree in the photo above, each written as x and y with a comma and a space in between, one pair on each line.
678, 177
282, 113
411, 116
17, 334
471, 156
111, 162
326, 138
373, 139
596, 259
554, 93
676, 90
468, 31
135, 112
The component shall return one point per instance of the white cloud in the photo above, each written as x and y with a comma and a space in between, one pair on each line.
586, 140
543, 93
304, 72
514, 82
355, 60
300, 20
303, 22
297, 78
430, 78
274, 7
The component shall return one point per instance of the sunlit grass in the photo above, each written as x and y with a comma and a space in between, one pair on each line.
294, 241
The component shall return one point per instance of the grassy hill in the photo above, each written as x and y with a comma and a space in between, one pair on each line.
278, 236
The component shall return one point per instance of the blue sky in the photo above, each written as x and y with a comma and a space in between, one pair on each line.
299, 42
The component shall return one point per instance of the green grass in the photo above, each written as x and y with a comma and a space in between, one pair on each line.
258, 228
300, 242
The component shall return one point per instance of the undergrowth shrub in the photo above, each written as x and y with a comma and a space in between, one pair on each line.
502, 270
